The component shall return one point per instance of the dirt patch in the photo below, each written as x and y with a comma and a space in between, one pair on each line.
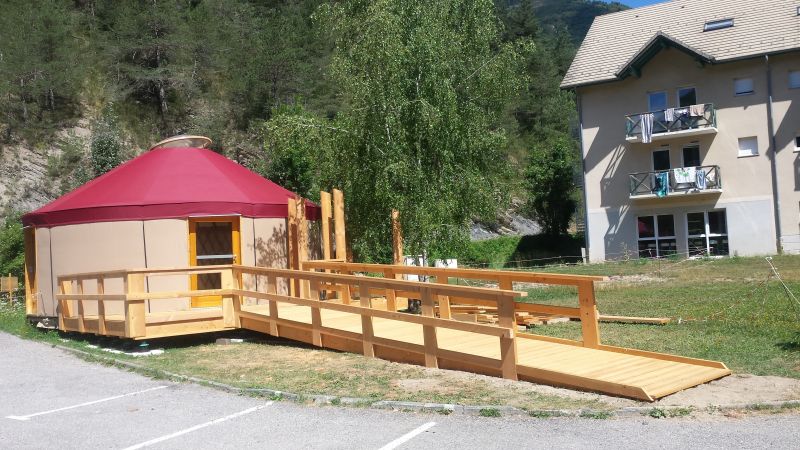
737, 390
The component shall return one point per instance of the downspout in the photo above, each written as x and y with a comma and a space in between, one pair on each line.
773, 157
583, 175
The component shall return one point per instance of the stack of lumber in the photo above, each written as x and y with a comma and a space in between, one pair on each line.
488, 314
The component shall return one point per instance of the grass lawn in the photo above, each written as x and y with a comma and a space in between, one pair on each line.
722, 309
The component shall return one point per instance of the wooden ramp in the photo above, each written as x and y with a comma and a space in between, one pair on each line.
359, 314
643, 376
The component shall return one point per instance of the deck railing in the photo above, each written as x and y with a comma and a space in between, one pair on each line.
132, 319
647, 183
683, 119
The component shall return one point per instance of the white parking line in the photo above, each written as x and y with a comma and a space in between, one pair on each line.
197, 427
84, 404
408, 436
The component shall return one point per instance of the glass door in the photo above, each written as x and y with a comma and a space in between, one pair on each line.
212, 241
656, 104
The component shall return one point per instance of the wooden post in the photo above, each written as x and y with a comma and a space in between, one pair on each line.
391, 295
316, 315
444, 300
367, 331
135, 325
589, 315
65, 307
429, 331
506, 315
101, 306
302, 245
231, 304
338, 224
272, 288
292, 238
327, 215
81, 310
397, 238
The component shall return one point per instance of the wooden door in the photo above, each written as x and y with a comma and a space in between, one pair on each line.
212, 241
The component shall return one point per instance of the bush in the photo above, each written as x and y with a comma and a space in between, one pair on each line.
12, 247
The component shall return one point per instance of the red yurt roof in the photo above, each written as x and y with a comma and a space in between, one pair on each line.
169, 183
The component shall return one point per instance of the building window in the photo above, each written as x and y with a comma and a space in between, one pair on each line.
797, 143
656, 236
748, 146
691, 155
717, 24
794, 79
743, 86
707, 233
687, 97
661, 159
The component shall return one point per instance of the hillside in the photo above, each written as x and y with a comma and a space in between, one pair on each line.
138, 72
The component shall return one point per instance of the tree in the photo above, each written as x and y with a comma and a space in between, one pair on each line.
149, 52
40, 59
294, 145
12, 246
425, 84
551, 185
106, 146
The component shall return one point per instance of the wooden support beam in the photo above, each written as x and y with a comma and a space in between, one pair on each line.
292, 239
64, 306
101, 307
325, 220
589, 315
302, 244
81, 308
272, 288
444, 301
508, 345
316, 314
135, 325
391, 294
339, 225
397, 238
231, 304
367, 331
429, 331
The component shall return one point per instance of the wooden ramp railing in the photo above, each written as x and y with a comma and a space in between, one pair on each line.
586, 310
340, 311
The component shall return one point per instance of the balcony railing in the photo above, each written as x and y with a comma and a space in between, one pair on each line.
690, 120
682, 181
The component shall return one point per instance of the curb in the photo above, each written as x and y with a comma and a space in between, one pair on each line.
441, 408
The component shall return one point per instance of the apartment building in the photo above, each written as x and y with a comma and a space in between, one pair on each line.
690, 129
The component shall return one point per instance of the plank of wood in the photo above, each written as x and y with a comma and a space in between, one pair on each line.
630, 319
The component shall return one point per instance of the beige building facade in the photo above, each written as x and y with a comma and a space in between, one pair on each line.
717, 171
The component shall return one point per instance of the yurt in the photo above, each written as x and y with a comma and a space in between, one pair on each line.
176, 205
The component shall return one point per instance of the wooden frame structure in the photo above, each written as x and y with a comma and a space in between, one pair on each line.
357, 321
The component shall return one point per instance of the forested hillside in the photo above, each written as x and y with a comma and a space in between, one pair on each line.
86, 84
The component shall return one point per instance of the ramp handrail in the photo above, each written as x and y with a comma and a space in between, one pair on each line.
587, 304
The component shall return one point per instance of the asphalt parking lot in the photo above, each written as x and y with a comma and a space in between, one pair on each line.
50, 398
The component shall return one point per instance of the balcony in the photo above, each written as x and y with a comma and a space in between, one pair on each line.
701, 180
687, 121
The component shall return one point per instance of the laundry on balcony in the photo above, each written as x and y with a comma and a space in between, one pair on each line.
697, 110
700, 181
685, 175
647, 127
661, 184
